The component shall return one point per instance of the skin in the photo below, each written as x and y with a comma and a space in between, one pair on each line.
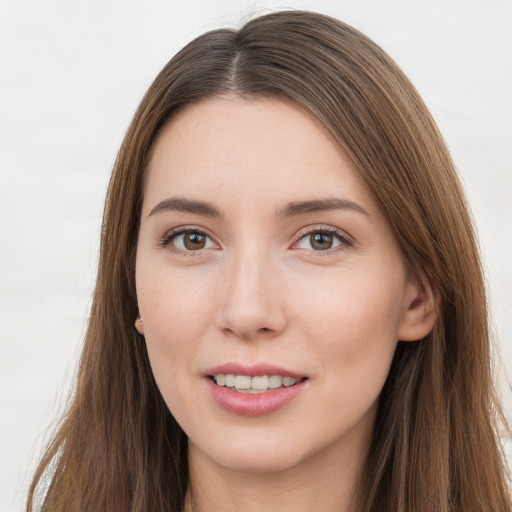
260, 292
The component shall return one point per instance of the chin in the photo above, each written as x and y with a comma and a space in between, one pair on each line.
258, 456
258, 464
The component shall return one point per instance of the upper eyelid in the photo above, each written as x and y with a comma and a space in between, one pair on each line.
346, 241
173, 233
323, 228
184, 229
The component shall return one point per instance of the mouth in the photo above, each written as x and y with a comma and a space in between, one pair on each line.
255, 389
254, 384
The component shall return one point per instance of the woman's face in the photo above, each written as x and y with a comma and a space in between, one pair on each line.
264, 262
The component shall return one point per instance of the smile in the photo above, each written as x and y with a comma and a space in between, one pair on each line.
253, 385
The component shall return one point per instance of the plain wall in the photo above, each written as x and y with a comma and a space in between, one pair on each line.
71, 76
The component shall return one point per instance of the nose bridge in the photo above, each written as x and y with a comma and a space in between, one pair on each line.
251, 304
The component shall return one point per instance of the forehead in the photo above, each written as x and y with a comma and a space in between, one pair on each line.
250, 149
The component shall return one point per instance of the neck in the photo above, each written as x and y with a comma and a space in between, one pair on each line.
327, 482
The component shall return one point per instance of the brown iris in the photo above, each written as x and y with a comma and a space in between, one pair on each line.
321, 241
194, 241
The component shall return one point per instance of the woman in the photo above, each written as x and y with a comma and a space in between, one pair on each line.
286, 230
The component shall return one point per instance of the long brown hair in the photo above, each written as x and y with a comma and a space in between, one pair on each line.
436, 444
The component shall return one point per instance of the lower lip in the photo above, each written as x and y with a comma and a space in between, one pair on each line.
259, 404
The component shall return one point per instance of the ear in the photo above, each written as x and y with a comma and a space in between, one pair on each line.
419, 310
139, 325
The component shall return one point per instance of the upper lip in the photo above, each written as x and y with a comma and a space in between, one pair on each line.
253, 370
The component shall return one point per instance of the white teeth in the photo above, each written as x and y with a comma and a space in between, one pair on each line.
275, 381
260, 382
253, 385
288, 381
242, 382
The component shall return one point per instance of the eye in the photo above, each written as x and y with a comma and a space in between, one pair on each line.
187, 240
322, 240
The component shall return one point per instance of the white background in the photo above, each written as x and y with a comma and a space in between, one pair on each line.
71, 75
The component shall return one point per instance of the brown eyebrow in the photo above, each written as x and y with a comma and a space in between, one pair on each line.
186, 205
291, 209
319, 205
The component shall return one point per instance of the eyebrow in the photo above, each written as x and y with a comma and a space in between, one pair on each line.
291, 209
320, 205
186, 205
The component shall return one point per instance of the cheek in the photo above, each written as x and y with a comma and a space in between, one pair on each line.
175, 310
353, 303
174, 305
355, 337
353, 322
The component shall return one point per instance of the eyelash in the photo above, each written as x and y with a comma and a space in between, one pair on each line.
166, 240
345, 240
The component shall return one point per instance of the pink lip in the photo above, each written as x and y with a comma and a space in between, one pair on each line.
245, 404
253, 370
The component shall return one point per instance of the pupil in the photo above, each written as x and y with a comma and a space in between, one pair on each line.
194, 241
321, 241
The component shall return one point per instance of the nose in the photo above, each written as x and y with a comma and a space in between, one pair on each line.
252, 303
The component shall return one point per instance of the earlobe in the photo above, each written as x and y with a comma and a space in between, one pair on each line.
420, 311
139, 325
